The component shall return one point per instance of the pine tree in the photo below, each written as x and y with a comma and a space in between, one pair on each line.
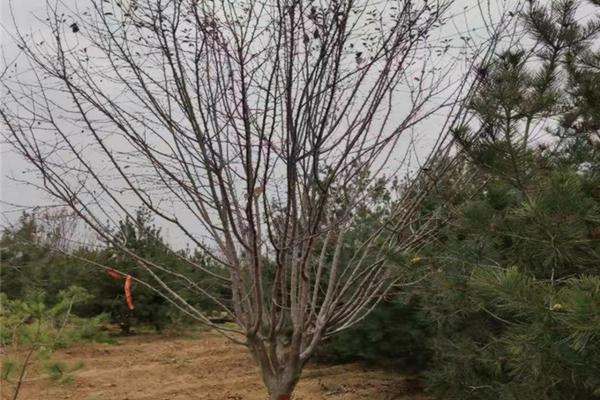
516, 300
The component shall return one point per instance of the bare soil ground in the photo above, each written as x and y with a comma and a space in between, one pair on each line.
151, 367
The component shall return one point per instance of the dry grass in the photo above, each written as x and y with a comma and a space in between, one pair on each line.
150, 367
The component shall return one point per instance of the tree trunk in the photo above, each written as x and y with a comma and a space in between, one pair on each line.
280, 389
280, 375
280, 396
281, 385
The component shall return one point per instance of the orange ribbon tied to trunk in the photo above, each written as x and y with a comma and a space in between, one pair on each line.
128, 296
128, 282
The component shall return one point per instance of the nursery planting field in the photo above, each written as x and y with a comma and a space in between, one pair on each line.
204, 367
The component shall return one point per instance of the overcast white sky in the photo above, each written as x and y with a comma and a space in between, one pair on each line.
14, 193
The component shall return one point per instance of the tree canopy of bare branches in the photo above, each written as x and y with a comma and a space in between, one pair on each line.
255, 129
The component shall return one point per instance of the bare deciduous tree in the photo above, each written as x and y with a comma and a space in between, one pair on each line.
255, 130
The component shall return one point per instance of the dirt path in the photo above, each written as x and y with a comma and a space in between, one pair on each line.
208, 368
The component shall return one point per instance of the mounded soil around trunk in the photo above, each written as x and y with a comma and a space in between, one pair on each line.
149, 367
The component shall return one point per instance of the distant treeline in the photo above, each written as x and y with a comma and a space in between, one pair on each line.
32, 262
